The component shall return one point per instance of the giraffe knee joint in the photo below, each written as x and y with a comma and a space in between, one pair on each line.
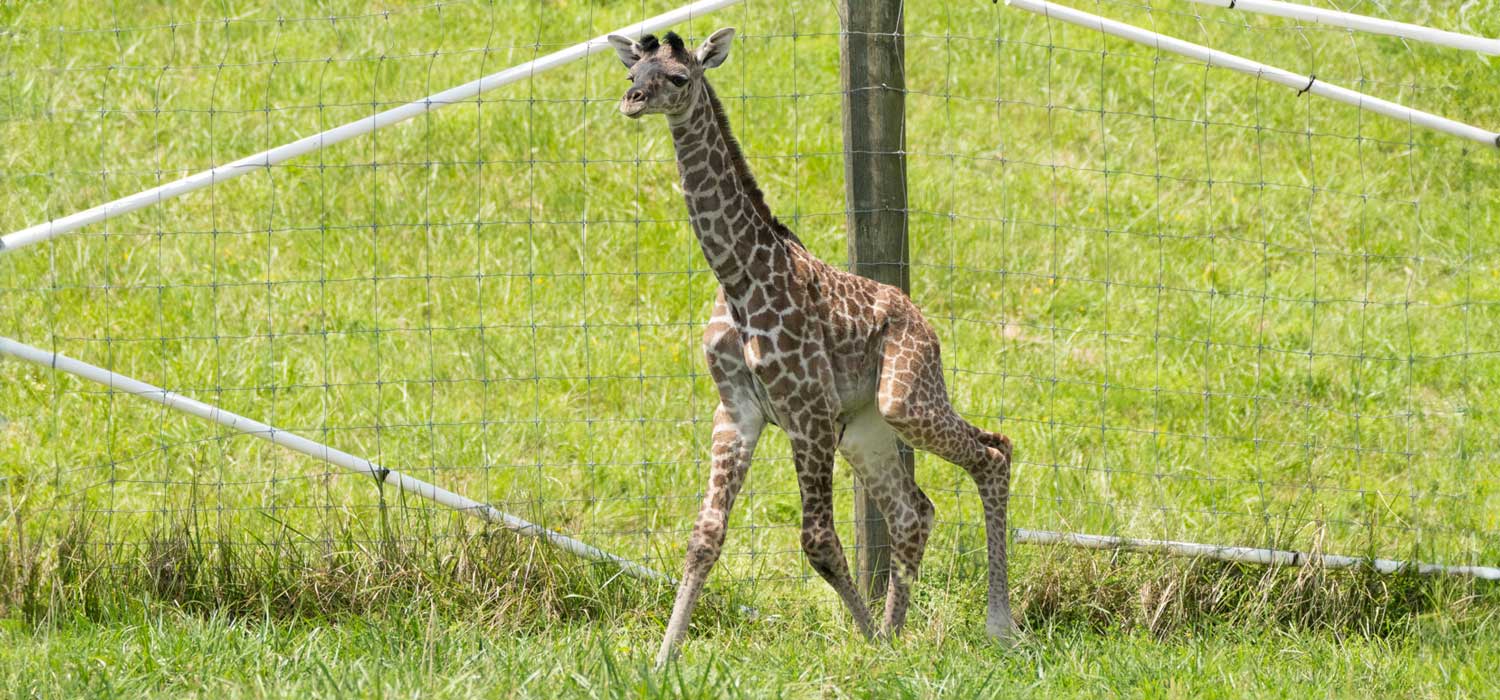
820, 547
908, 570
813, 540
703, 553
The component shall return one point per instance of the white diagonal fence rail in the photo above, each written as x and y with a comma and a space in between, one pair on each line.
319, 451
1301, 83
303, 146
1363, 23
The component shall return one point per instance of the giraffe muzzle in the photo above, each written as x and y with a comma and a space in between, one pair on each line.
631, 109
633, 104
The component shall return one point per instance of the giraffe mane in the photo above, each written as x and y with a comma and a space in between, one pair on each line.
742, 169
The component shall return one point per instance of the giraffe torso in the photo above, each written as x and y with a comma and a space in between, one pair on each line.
816, 314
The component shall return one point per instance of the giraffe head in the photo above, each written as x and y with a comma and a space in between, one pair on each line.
664, 75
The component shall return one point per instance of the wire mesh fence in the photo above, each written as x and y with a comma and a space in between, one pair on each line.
1204, 307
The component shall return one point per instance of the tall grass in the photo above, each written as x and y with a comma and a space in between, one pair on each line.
496, 578
493, 577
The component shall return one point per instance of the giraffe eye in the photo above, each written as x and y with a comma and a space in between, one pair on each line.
678, 80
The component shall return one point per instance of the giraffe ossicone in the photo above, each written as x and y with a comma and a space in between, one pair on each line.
841, 363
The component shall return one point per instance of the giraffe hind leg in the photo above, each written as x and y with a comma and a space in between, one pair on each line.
913, 399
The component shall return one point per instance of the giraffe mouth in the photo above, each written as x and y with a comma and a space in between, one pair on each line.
634, 110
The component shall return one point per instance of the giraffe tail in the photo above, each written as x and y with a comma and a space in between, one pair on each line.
995, 440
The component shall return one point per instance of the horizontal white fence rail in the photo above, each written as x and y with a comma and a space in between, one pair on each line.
1296, 81
1247, 555
266, 159
319, 451
1364, 23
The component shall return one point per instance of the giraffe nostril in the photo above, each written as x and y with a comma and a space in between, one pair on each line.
635, 95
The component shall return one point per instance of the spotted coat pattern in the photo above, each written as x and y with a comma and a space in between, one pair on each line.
837, 361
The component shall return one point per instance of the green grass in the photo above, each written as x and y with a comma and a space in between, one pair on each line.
1203, 307
417, 654
490, 617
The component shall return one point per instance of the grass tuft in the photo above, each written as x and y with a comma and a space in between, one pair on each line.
504, 579
1111, 592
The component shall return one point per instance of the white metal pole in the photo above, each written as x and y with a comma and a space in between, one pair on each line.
320, 451
1318, 15
1249, 555
266, 159
1301, 83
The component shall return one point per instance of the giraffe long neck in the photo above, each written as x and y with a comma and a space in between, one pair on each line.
739, 236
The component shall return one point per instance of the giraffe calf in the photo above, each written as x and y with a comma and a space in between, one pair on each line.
841, 363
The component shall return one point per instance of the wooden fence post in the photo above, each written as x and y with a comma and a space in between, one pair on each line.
873, 49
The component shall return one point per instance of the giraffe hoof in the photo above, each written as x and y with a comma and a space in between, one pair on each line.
1005, 633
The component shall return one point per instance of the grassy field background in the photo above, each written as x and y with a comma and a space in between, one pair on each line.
1203, 307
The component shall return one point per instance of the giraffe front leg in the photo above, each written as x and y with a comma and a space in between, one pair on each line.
874, 452
814, 454
734, 439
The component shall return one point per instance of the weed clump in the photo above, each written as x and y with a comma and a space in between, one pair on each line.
1165, 596
470, 573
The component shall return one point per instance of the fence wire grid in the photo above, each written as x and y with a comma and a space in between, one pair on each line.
1205, 308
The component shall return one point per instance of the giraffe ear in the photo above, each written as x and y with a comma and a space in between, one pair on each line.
628, 51
713, 51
